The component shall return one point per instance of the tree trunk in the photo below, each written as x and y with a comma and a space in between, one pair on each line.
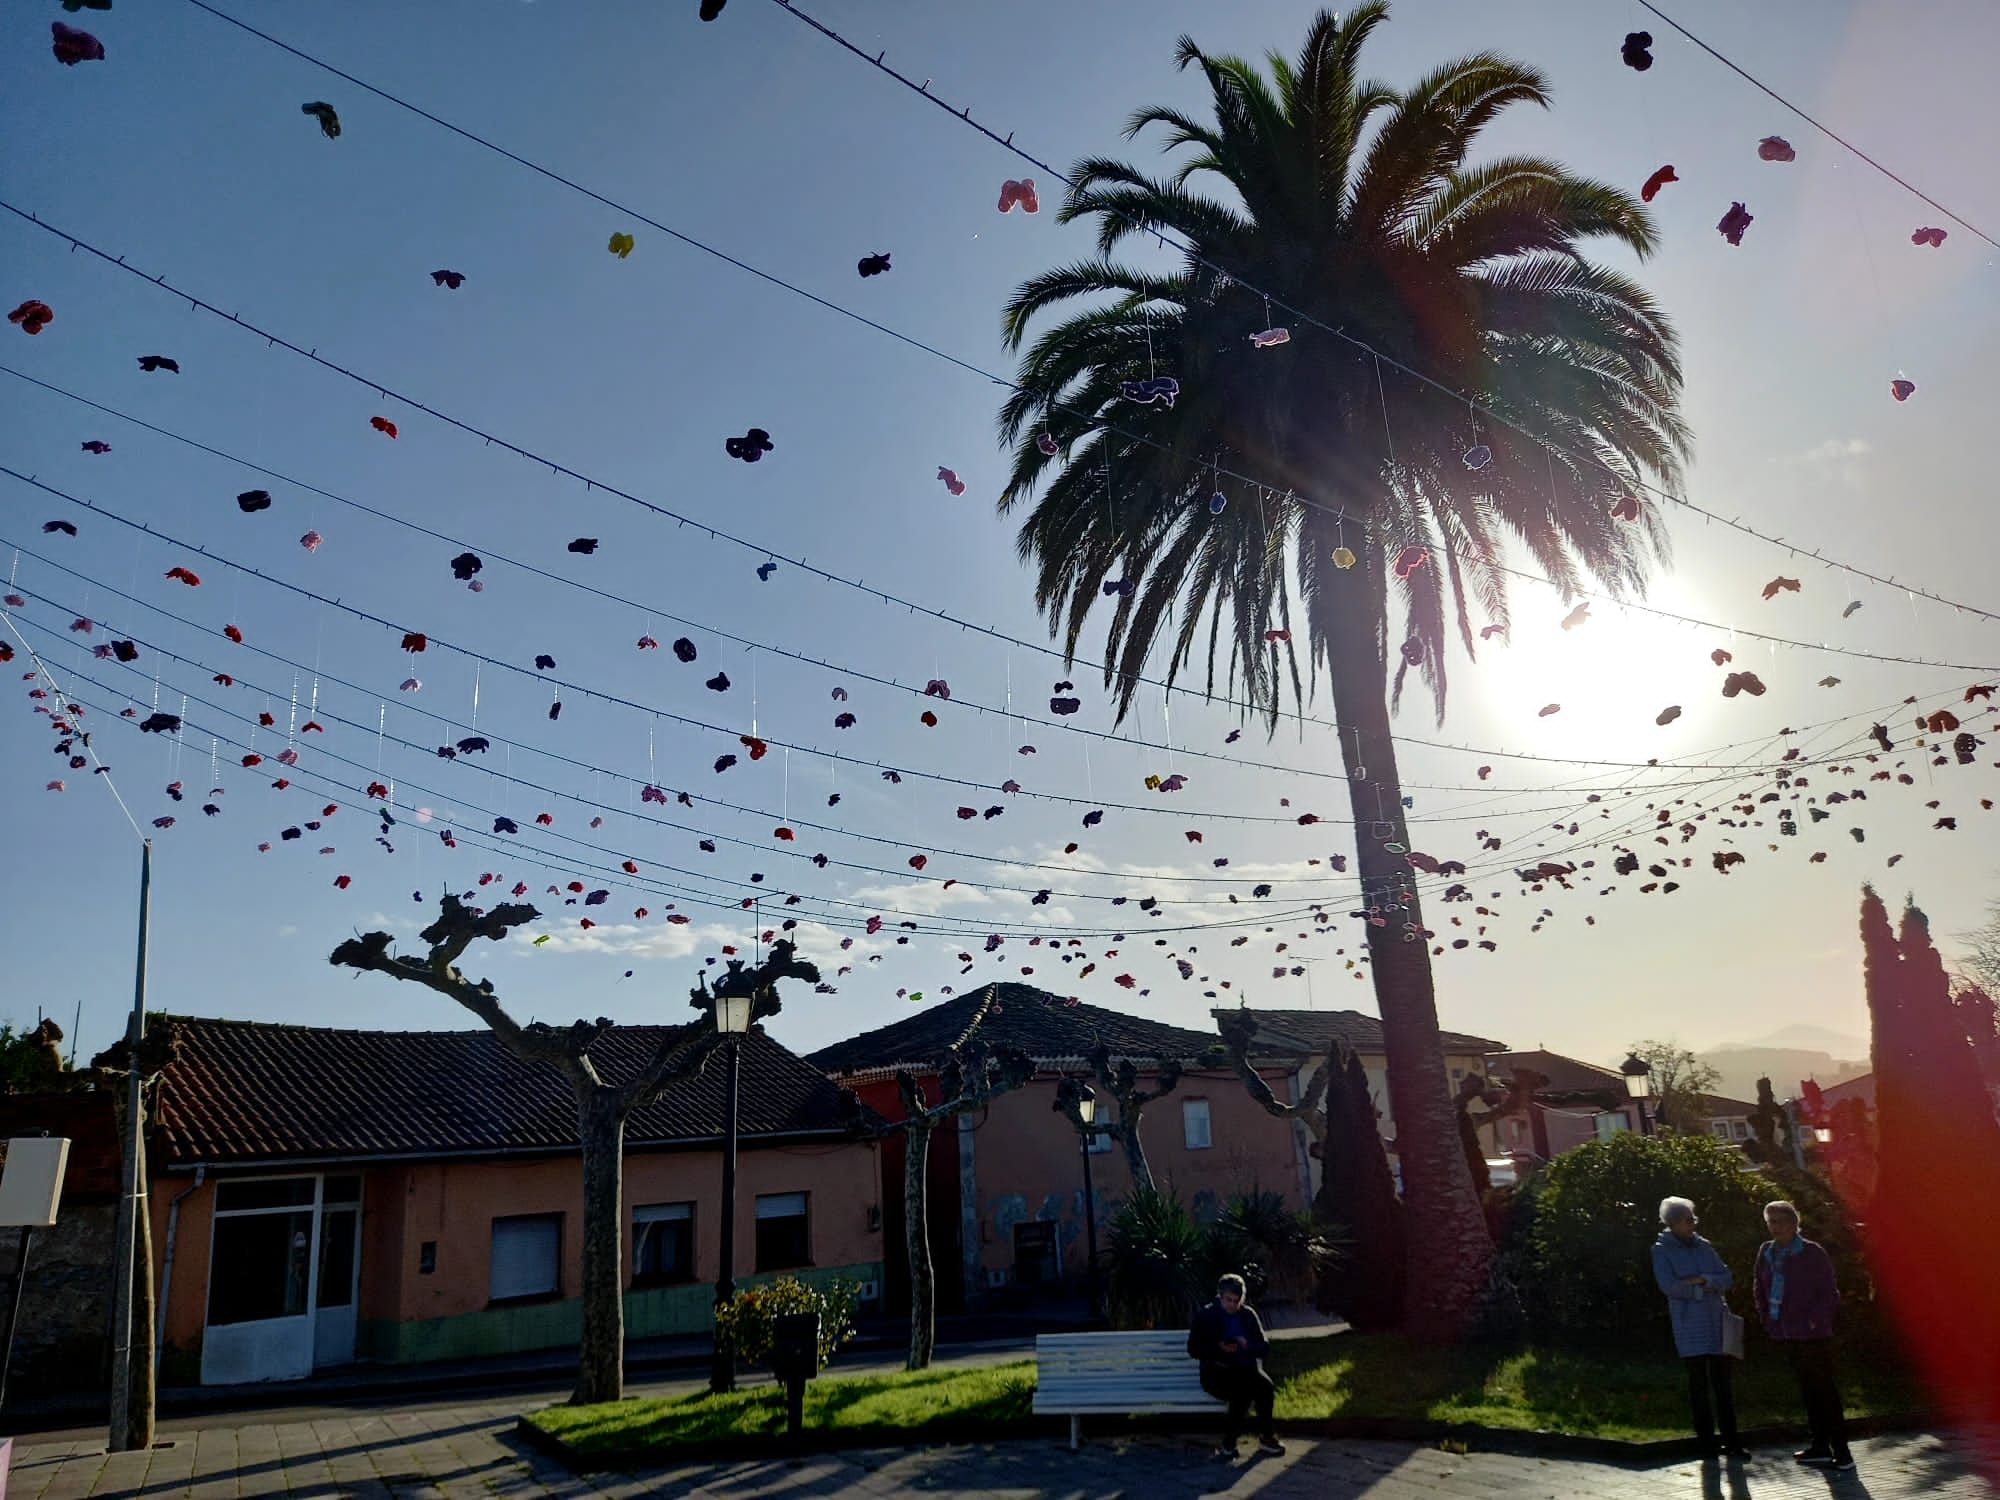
143, 1355
1450, 1251
1135, 1149
600, 1372
917, 1240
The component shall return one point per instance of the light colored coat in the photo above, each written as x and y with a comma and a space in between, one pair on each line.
1696, 1310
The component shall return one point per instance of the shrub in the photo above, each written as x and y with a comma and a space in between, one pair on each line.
1277, 1251
1156, 1263
1595, 1214
745, 1320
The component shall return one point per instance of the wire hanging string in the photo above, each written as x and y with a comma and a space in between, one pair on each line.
101, 771
1824, 129
805, 566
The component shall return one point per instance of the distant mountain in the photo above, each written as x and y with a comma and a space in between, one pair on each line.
1808, 1038
1740, 1066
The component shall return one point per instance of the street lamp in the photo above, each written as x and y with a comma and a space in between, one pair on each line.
732, 1022
1639, 1084
1086, 1111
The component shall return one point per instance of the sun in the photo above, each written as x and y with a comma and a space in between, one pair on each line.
1592, 678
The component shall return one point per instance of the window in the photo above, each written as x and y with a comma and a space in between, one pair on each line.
1609, 1124
1195, 1124
527, 1257
1719, 1127
662, 1243
1742, 1130
784, 1239
260, 1265
1035, 1262
1098, 1142
336, 1256
427, 1258
269, 1192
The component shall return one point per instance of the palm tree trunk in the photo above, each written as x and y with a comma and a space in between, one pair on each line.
600, 1373
917, 1241
1450, 1249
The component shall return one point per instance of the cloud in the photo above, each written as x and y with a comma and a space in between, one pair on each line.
1842, 458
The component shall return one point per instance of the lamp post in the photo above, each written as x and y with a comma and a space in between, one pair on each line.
1086, 1111
732, 1020
1639, 1084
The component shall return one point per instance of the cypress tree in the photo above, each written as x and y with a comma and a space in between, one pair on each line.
1363, 1282
1937, 1183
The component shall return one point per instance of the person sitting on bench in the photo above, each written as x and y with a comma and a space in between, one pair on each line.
1228, 1338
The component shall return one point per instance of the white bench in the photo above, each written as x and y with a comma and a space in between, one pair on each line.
1128, 1374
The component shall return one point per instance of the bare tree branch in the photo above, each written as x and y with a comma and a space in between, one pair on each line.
449, 936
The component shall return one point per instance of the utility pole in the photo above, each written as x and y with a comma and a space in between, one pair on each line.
124, 1256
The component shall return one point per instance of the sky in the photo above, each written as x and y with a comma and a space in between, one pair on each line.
186, 153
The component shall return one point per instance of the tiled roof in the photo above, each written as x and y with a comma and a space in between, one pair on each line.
1043, 1025
245, 1091
1721, 1106
1561, 1075
1306, 1032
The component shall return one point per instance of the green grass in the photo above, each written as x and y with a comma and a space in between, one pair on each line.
899, 1407
1609, 1393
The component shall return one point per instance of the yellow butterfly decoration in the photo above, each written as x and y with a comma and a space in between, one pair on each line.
622, 245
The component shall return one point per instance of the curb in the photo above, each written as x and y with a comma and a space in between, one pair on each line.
1635, 1454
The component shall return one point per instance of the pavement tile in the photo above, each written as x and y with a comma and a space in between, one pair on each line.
450, 1453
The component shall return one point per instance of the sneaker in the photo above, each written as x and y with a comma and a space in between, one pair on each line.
1843, 1463
1813, 1456
1736, 1450
1226, 1452
1270, 1445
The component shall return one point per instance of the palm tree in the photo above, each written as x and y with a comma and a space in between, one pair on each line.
1356, 203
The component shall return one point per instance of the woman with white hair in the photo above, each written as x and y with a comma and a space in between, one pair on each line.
1692, 1277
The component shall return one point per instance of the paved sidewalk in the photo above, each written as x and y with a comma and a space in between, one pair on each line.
472, 1451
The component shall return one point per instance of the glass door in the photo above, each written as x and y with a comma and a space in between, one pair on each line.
339, 1272
260, 1281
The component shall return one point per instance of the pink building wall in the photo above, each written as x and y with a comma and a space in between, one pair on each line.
1024, 1161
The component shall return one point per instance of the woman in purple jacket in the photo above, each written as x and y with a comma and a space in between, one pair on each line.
1796, 1296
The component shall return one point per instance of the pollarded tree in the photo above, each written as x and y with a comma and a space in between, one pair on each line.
602, 1106
1362, 205
1118, 1077
970, 1076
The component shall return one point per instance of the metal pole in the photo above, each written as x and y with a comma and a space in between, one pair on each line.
125, 1252
14, 1311
1089, 1228
722, 1374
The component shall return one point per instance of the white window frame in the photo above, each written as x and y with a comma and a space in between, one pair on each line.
312, 1245
1189, 1115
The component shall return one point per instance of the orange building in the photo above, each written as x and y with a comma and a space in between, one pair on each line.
1005, 1190
321, 1197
